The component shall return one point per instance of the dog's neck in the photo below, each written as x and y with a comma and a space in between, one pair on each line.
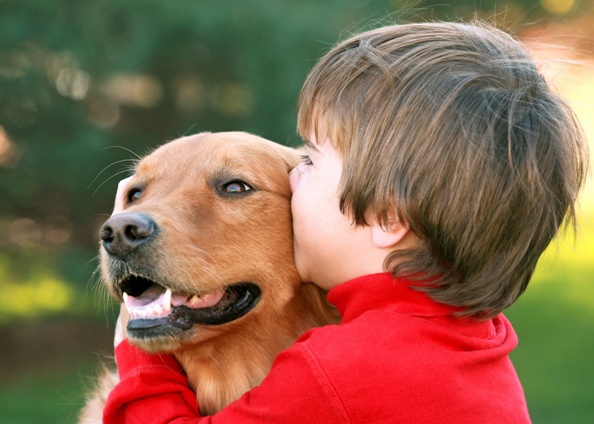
222, 370
221, 374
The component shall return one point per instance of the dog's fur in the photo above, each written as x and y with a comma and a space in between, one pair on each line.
204, 239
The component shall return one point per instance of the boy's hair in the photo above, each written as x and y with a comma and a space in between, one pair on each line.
451, 128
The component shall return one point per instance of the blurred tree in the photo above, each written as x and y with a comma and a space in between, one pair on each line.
77, 77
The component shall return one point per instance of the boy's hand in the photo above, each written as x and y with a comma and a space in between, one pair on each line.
120, 331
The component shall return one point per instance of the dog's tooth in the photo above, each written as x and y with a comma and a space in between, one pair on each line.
126, 298
167, 301
194, 300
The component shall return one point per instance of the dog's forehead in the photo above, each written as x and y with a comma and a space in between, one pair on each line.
200, 148
218, 156
206, 151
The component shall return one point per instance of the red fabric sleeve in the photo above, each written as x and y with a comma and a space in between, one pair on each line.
153, 389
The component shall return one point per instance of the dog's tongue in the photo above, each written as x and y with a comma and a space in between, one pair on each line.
156, 302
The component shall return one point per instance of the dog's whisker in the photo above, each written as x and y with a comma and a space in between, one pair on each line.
187, 131
101, 296
94, 279
218, 365
182, 280
215, 276
211, 263
138, 157
109, 166
124, 171
188, 283
204, 252
207, 265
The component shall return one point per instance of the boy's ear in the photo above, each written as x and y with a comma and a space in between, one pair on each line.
385, 236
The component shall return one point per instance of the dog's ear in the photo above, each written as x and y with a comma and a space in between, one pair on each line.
290, 156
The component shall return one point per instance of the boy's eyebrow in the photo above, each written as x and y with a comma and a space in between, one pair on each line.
310, 145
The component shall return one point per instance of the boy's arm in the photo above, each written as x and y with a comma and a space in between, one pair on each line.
154, 389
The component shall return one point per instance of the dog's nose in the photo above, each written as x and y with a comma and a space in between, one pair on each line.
125, 232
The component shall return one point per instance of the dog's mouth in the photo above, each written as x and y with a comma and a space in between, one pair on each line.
156, 310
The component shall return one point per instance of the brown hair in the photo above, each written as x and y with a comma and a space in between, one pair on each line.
451, 127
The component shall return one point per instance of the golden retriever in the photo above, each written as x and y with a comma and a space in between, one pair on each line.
199, 248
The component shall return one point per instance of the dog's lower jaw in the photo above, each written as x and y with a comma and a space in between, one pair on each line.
166, 345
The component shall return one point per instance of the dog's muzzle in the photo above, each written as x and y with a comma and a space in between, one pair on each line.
154, 309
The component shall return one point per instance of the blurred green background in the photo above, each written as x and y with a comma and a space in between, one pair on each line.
85, 85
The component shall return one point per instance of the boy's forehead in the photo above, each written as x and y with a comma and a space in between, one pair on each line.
317, 137
310, 144
318, 134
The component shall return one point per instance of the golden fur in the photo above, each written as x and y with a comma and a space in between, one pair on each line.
208, 239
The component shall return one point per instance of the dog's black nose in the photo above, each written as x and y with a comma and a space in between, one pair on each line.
125, 232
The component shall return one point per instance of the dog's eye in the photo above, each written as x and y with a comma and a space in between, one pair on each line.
235, 187
134, 195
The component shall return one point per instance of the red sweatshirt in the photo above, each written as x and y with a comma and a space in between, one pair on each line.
396, 357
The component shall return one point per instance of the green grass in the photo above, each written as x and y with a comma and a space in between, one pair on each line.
49, 399
554, 358
554, 320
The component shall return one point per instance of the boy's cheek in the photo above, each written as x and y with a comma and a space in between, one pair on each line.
294, 176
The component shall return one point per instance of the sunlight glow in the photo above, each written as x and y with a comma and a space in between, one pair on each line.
141, 90
64, 72
557, 6
34, 298
9, 153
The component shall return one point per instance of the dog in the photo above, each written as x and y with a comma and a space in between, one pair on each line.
199, 249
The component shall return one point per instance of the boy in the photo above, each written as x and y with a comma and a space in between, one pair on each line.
439, 166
